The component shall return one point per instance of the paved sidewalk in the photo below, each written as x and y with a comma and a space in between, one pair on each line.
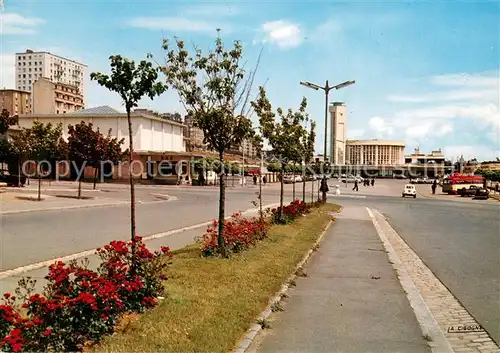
351, 300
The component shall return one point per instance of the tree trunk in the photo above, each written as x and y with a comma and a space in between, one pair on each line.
260, 199
95, 176
312, 191
19, 172
79, 188
280, 213
131, 177
304, 190
39, 187
222, 204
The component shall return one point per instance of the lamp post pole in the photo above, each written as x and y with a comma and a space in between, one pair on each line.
327, 88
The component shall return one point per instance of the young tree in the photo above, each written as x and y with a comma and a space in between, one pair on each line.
109, 149
307, 146
6, 121
40, 143
280, 134
214, 89
132, 83
83, 149
258, 142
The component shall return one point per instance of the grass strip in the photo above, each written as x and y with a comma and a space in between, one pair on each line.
211, 302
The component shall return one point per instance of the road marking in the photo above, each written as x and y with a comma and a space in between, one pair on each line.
116, 203
349, 196
19, 270
428, 324
431, 299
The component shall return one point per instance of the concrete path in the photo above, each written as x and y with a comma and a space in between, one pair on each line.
351, 300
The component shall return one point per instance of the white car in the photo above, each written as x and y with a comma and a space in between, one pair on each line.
409, 190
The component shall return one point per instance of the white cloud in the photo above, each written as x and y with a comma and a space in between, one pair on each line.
485, 79
282, 33
380, 127
456, 95
13, 23
7, 71
176, 24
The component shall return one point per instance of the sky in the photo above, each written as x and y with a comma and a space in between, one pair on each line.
426, 72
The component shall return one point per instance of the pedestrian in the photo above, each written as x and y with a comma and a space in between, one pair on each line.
264, 179
373, 181
433, 187
254, 179
355, 186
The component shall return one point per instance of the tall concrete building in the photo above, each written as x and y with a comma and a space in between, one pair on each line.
55, 98
32, 65
15, 101
338, 135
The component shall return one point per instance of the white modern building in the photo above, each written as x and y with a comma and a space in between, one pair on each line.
32, 65
375, 152
151, 133
338, 135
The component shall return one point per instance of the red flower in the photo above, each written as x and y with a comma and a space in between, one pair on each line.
6, 295
47, 332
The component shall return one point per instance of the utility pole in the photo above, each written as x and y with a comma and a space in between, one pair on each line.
327, 88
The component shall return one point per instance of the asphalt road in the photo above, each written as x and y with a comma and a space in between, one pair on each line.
37, 236
458, 241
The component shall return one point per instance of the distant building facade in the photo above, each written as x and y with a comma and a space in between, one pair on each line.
55, 98
32, 65
375, 152
15, 101
435, 157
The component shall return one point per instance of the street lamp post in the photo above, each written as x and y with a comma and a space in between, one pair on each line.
327, 88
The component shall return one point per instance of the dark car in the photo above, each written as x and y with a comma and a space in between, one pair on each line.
482, 194
471, 191
11, 179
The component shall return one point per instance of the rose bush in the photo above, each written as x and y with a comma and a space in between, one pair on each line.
239, 234
78, 305
295, 209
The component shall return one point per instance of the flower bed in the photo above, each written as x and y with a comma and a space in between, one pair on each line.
290, 212
80, 306
239, 234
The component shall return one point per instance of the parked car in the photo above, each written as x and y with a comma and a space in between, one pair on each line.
11, 179
482, 194
410, 190
470, 192
400, 176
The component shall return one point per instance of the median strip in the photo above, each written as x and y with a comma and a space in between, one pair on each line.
212, 302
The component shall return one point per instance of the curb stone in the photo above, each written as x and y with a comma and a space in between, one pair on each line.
244, 343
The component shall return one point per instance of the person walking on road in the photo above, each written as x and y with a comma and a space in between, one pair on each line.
355, 186
433, 187
373, 181
264, 180
255, 179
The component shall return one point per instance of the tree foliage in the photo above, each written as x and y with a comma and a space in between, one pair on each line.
131, 82
7, 120
214, 89
283, 134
